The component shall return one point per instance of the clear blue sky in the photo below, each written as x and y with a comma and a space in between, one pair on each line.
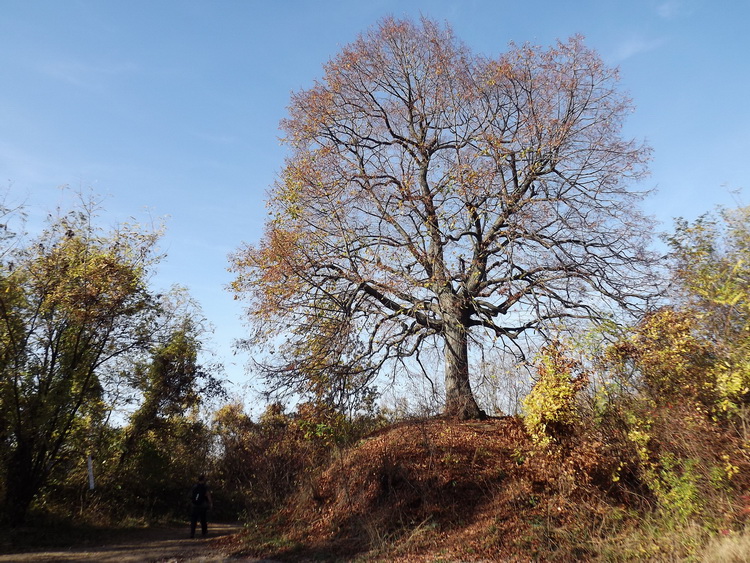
173, 105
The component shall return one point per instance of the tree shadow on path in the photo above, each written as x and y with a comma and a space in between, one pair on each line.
163, 545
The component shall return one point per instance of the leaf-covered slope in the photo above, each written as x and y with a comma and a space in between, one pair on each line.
443, 487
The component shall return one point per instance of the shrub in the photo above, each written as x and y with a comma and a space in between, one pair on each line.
550, 409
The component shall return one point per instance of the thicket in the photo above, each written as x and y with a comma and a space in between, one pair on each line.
666, 400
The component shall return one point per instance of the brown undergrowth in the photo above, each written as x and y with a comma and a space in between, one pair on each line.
445, 490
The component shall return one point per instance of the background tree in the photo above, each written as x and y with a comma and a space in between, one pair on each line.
711, 264
697, 350
167, 444
434, 195
71, 302
172, 382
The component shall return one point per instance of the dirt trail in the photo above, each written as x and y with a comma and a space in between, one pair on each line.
162, 545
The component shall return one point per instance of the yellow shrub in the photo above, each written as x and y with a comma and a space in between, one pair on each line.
550, 409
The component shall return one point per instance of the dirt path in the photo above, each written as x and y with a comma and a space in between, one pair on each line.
162, 545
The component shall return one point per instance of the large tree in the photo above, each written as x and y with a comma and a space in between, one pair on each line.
435, 195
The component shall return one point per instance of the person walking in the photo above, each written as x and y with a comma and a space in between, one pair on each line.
200, 497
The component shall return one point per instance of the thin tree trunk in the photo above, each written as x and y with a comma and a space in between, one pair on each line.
459, 398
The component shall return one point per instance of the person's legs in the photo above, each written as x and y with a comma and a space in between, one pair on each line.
204, 522
193, 521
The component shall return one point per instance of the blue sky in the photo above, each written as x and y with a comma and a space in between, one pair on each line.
171, 108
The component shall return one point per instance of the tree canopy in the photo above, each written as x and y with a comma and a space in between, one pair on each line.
71, 301
436, 196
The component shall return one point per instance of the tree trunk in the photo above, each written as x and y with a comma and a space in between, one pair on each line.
20, 487
459, 398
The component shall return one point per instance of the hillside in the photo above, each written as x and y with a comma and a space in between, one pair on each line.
446, 490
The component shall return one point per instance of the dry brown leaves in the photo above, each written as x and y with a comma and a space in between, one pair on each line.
456, 490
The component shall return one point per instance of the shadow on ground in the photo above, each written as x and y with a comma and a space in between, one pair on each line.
163, 545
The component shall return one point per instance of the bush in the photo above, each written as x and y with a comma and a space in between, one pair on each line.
551, 412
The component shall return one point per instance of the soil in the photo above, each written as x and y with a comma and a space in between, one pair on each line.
155, 545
